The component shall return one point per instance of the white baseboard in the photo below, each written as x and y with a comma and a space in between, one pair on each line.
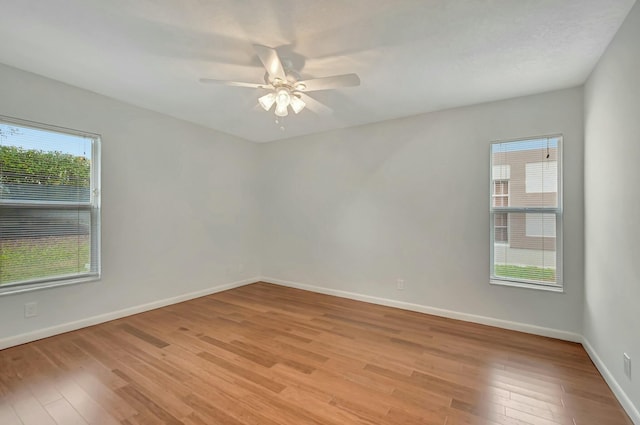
622, 397
94, 320
484, 320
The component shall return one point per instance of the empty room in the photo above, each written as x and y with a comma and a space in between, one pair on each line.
375, 212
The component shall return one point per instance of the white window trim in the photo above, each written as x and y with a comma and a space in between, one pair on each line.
558, 211
94, 202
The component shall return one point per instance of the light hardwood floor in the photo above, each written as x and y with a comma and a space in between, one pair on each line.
266, 355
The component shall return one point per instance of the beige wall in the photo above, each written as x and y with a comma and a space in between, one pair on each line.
178, 206
356, 209
612, 206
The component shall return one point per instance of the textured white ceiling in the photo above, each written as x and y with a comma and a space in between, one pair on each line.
413, 56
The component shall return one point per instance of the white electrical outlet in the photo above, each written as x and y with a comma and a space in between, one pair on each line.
400, 284
31, 309
627, 365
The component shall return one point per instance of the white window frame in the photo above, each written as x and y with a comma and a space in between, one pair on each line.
558, 286
93, 206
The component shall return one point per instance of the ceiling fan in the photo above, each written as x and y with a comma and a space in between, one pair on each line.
286, 88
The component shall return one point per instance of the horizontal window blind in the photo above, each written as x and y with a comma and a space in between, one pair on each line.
49, 206
526, 225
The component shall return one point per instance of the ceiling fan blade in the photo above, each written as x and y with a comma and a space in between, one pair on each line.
235, 83
326, 83
271, 61
314, 105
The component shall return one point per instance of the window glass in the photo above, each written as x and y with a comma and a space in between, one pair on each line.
525, 212
49, 209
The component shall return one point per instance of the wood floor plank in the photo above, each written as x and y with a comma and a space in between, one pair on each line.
8, 415
105, 411
268, 355
64, 414
29, 409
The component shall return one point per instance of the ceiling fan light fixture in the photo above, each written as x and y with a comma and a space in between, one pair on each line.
283, 97
297, 104
281, 110
267, 101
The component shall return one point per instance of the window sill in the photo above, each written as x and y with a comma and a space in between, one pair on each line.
548, 288
18, 289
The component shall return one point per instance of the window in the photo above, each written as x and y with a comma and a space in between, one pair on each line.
541, 225
49, 206
501, 221
501, 228
526, 213
542, 177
